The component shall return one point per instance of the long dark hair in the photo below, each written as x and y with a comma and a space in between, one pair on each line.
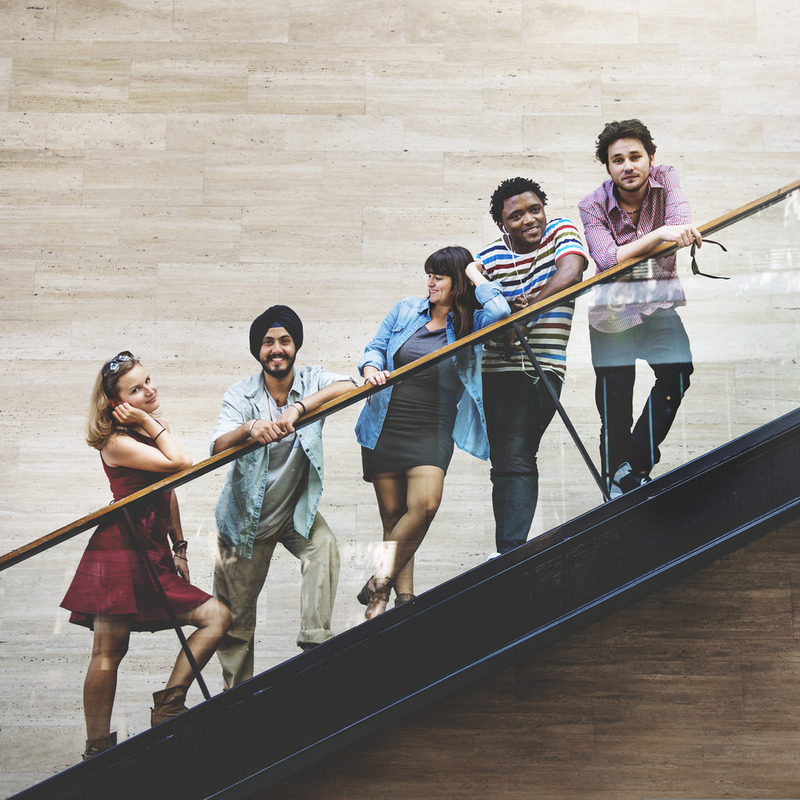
452, 261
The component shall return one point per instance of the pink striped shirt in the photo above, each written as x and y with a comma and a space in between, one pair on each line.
606, 225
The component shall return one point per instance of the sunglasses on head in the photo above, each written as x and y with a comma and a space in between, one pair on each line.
113, 365
696, 269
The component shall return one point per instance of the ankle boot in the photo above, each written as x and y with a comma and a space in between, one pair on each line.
95, 746
404, 598
375, 597
168, 704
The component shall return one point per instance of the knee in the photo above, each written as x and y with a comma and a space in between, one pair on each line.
213, 616
110, 655
224, 617
676, 382
424, 511
431, 507
323, 549
391, 516
220, 617
525, 478
521, 461
323, 541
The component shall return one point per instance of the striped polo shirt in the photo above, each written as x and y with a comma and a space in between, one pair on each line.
519, 274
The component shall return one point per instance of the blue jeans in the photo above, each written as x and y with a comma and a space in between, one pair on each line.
518, 410
660, 340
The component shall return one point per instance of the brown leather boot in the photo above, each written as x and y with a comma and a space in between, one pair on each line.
168, 704
404, 598
95, 746
375, 596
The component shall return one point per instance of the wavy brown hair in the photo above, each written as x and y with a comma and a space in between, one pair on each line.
452, 261
624, 129
101, 425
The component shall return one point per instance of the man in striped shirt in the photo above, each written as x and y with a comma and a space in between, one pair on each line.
640, 207
532, 259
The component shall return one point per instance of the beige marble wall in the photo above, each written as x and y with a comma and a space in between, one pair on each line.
170, 168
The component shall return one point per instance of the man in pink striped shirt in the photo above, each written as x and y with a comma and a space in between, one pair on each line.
633, 212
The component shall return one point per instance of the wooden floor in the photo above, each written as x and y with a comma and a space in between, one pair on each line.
170, 168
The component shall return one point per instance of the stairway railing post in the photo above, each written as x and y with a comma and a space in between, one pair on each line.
150, 569
562, 412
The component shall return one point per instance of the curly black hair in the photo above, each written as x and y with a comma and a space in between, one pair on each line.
625, 129
511, 188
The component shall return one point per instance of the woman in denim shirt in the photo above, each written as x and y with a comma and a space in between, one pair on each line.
407, 431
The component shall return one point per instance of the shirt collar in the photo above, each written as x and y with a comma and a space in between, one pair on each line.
611, 195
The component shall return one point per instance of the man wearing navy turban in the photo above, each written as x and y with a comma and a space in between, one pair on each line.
272, 493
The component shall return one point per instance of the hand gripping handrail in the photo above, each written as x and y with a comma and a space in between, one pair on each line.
208, 465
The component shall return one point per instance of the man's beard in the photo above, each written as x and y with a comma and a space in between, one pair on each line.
279, 372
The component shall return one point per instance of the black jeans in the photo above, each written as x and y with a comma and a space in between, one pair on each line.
660, 340
518, 411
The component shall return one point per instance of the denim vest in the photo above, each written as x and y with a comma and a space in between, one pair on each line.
239, 506
407, 317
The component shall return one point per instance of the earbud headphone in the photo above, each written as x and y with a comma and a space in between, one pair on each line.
510, 243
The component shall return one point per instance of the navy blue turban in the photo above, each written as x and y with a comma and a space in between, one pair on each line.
280, 316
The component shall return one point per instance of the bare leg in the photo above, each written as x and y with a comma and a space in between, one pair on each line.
111, 637
390, 492
424, 487
212, 620
404, 582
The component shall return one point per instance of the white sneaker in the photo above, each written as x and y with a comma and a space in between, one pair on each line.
625, 480
491, 556
616, 490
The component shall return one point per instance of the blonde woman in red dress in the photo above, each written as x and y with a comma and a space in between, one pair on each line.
112, 592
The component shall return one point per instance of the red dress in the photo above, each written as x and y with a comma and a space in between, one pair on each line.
111, 578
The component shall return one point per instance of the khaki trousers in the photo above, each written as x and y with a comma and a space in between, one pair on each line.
238, 582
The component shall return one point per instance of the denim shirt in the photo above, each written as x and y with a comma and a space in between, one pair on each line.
239, 506
405, 319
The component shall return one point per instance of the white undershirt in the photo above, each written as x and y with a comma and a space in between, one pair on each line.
287, 475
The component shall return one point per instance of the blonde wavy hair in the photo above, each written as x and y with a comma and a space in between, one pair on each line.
101, 425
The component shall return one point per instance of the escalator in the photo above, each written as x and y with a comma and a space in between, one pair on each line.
244, 740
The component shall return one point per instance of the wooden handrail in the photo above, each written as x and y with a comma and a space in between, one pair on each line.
363, 392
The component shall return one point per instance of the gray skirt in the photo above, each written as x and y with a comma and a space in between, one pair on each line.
417, 430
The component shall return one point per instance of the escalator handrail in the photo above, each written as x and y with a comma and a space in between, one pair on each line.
361, 393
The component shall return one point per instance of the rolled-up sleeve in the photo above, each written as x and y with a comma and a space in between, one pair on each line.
495, 305
231, 416
599, 239
676, 204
